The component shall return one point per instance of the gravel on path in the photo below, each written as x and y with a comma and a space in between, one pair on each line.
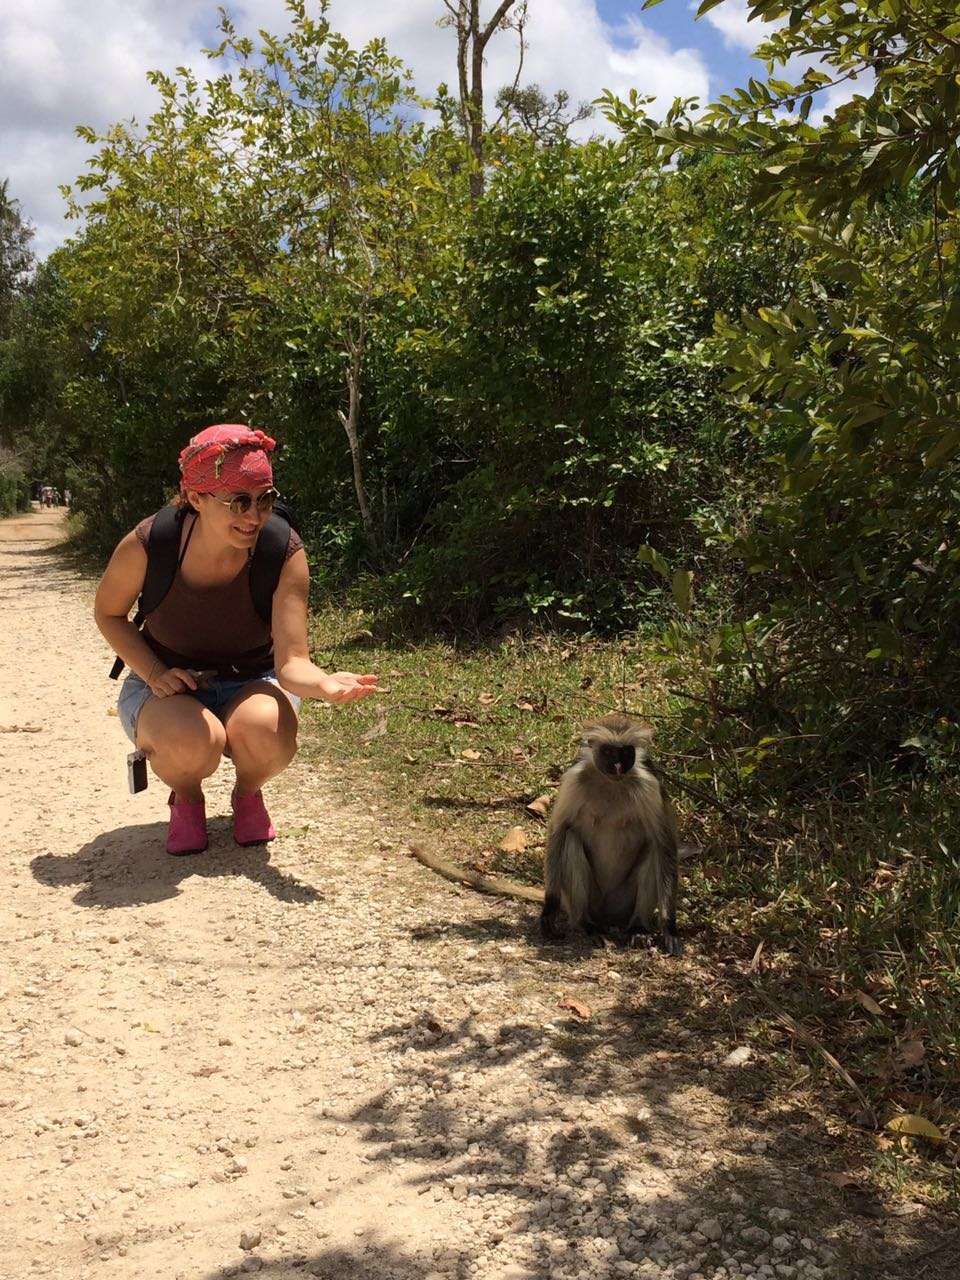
321, 1060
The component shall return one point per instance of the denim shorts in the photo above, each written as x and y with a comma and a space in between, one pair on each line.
134, 692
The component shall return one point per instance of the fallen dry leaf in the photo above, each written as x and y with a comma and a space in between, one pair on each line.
376, 730
522, 705
915, 1127
540, 805
575, 1006
515, 841
868, 1003
910, 1054
485, 699
206, 1071
841, 1179
469, 754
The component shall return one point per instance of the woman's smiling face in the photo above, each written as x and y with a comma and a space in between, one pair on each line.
236, 530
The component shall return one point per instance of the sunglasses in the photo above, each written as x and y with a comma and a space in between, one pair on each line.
240, 503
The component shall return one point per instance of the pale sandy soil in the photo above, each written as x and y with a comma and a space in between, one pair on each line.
327, 1048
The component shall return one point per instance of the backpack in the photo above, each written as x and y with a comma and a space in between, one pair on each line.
163, 560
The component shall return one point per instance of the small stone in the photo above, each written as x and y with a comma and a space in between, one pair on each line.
73, 1038
782, 1243
756, 1235
251, 1263
710, 1228
250, 1239
237, 1165
738, 1057
225, 1040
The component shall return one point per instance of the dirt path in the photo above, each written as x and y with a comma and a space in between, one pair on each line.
324, 1061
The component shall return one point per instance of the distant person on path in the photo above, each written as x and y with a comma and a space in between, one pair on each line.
208, 675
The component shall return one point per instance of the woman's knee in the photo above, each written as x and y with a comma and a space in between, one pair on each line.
186, 742
263, 730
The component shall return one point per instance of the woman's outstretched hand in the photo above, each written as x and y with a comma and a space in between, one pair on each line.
344, 686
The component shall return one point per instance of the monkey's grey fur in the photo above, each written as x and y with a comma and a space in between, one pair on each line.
612, 842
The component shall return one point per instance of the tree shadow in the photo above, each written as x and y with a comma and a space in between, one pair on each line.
129, 867
633, 1130
462, 803
377, 1261
23, 576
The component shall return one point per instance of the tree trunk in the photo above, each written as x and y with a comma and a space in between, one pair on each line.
351, 424
476, 101
471, 45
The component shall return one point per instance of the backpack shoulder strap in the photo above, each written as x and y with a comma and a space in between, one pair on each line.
163, 555
267, 564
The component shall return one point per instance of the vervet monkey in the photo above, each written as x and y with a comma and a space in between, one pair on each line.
611, 840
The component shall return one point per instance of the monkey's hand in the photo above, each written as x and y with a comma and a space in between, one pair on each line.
670, 943
551, 929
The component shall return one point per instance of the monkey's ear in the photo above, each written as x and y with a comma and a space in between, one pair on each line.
645, 733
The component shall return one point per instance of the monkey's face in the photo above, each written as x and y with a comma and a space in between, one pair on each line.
615, 759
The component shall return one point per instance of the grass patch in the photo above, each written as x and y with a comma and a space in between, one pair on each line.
838, 909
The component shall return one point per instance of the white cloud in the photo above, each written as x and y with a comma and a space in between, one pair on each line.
62, 64
732, 20
569, 47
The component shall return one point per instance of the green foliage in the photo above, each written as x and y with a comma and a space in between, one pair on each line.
16, 258
14, 491
566, 366
847, 382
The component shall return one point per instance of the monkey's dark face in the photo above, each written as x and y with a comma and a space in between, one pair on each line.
614, 759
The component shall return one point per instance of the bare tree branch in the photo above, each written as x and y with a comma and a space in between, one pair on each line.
494, 22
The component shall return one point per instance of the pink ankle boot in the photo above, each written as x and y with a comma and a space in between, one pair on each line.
251, 822
188, 826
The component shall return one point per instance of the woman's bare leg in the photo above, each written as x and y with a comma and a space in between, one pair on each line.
261, 727
183, 742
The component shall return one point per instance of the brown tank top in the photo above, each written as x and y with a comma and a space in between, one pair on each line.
211, 628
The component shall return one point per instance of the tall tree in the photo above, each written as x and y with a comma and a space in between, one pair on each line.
852, 382
473, 36
546, 120
16, 258
259, 219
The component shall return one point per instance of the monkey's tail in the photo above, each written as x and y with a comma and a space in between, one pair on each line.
473, 879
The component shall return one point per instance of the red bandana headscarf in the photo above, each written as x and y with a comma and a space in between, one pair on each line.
228, 458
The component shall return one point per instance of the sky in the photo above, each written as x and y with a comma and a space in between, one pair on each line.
63, 64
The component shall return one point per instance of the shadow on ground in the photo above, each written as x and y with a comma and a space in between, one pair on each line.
636, 1094
371, 1262
129, 867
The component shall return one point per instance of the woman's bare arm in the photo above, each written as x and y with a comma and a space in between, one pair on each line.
119, 588
296, 673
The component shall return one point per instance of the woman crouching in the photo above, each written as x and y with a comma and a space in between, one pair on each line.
210, 674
